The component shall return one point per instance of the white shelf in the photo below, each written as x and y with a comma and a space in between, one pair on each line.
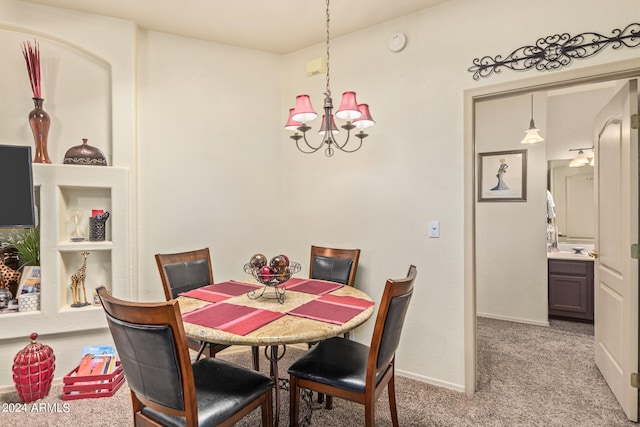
84, 246
59, 190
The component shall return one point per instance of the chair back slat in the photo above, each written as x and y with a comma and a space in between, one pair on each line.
389, 322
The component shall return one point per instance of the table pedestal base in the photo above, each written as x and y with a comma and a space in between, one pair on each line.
272, 354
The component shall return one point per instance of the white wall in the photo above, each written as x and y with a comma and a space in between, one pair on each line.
210, 123
510, 236
210, 167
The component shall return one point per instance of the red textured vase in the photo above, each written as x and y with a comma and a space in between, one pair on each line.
33, 369
39, 121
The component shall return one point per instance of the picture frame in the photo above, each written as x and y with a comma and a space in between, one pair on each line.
29, 280
502, 176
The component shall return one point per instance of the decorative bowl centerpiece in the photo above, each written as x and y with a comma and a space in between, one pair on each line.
271, 273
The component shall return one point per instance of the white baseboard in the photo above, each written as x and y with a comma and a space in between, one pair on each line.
432, 381
514, 319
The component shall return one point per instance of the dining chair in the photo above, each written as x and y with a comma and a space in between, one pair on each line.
334, 265
166, 388
185, 271
354, 371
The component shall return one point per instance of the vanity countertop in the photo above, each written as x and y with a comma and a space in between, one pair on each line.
569, 255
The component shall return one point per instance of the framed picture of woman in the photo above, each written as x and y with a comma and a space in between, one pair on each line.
502, 176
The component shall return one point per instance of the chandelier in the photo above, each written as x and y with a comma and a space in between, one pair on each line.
356, 115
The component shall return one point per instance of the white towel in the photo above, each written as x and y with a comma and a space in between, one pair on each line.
551, 213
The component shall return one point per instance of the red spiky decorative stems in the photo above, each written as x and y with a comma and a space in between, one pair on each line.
32, 58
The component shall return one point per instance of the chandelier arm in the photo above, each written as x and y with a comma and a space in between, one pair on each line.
343, 146
311, 147
324, 141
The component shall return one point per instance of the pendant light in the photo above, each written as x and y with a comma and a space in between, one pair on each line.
581, 159
531, 135
357, 116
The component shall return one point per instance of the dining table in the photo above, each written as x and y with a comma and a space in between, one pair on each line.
252, 314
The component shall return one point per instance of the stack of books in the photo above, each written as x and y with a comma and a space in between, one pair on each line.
97, 360
99, 374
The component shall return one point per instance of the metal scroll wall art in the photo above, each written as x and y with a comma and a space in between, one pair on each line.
553, 52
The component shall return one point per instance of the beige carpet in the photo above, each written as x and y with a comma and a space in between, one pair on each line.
528, 376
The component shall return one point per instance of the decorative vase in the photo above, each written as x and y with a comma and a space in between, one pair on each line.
85, 154
40, 122
33, 369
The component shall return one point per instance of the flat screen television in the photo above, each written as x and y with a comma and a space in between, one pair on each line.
17, 208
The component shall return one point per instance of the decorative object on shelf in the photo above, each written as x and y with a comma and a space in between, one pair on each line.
77, 284
29, 280
39, 120
33, 369
556, 51
29, 302
85, 154
27, 243
272, 274
77, 235
97, 226
7, 275
5, 297
531, 135
9, 257
356, 115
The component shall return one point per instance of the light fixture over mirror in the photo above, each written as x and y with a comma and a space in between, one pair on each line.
531, 135
581, 158
357, 116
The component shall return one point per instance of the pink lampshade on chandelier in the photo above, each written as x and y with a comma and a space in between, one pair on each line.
357, 116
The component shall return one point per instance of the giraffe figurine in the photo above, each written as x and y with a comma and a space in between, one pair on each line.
77, 283
7, 275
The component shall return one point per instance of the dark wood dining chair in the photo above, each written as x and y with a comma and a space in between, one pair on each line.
354, 371
334, 265
184, 271
166, 389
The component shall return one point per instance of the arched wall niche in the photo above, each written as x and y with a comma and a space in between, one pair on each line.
76, 86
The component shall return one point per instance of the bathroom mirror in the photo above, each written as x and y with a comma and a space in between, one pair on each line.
573, 193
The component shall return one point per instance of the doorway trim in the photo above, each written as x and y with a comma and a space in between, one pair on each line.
612, 71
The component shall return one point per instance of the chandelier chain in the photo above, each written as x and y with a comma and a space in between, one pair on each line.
328, 90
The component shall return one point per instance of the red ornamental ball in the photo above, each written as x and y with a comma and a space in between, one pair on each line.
278, 264
258, 261
33, 369
265, 274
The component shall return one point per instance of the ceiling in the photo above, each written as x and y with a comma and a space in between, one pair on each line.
276, 26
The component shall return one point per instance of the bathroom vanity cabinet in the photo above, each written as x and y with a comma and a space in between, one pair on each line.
571, 288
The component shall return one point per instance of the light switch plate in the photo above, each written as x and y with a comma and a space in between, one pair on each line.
434, 228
